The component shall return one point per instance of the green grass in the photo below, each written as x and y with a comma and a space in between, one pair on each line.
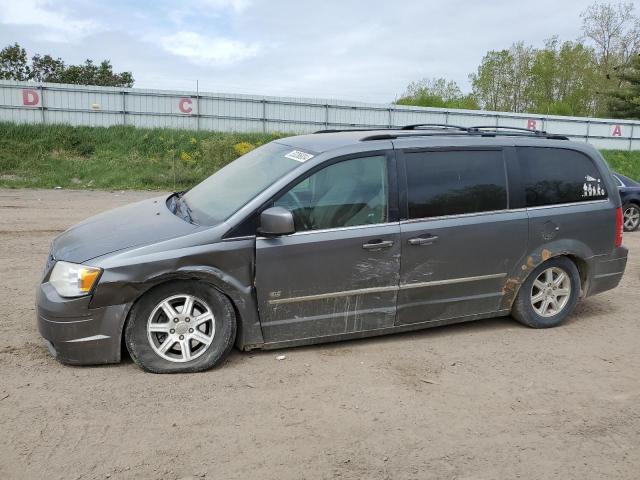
115, 157
125, 157
624, 162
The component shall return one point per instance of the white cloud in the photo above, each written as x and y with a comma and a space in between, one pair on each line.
203, 50
237, 6
366, 50
55, 25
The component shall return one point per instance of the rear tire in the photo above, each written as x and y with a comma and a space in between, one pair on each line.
548, 295
630, 217
180, 327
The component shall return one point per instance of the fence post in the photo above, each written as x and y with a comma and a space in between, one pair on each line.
631, 136
197, 111
43, 120
264, 115
497, 120
586, 138
124, 107
326, 116
390, 117
446, 117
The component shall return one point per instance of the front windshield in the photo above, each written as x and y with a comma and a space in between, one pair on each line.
233, 186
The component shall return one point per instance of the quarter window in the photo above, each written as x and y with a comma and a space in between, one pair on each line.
455, 182
555, 175
349, 193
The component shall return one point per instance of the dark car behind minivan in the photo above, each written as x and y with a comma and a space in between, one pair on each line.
630, 197
338, 235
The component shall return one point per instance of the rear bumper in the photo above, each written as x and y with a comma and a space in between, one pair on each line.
607, 271
77, 334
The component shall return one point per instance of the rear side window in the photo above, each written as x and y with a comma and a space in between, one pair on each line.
455, 182
555, 175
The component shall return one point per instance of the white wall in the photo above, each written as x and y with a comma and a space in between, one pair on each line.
104, 106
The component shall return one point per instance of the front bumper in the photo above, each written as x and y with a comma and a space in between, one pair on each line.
77, 334
607, 271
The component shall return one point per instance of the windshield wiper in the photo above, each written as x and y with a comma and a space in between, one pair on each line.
183, 208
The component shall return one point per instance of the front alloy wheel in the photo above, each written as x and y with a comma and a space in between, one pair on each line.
181, 328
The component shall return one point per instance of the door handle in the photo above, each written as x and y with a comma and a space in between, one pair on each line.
377, 244
423, 240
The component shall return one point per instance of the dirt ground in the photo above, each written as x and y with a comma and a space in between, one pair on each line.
484, 400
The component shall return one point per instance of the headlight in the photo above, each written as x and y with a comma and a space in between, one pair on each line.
73, 280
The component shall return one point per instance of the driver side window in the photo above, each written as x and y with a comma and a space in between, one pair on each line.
350, 193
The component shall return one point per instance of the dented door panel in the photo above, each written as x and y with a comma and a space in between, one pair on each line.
463, 272
323, 283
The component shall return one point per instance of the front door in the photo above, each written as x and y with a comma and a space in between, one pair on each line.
461, 240
339, 272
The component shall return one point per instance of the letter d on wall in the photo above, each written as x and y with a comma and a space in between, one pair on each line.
30, 97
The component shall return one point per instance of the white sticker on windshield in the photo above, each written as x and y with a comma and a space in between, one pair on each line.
299, 156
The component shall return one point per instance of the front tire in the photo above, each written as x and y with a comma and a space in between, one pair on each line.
549, 295
180, 327
631, 217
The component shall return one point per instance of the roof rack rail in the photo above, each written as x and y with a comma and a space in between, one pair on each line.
495, 130
416, 126
504, 127
337, 130
460, 133
394, 136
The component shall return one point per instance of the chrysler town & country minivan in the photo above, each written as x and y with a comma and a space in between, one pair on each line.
338, 235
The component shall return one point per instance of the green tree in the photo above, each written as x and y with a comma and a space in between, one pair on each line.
436, 92
613, 30
45, 68
503, 78
88, 73
13, 63
624, 102
563, 79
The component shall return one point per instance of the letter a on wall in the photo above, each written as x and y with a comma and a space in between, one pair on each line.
30, 97
616, 131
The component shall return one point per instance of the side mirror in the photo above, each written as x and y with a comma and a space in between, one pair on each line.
276, 221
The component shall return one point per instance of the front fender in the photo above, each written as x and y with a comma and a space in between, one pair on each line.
228, 266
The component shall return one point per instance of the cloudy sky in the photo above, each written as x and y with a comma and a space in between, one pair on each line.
366, 50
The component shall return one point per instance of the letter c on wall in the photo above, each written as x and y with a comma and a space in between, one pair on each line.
184, 105
30, 97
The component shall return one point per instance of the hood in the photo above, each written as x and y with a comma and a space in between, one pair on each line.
141, 223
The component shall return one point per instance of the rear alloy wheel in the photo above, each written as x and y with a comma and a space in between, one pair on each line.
182, 326
631, 217
550, 292
549, 295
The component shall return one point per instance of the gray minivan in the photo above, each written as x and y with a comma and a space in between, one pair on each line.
338, 235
